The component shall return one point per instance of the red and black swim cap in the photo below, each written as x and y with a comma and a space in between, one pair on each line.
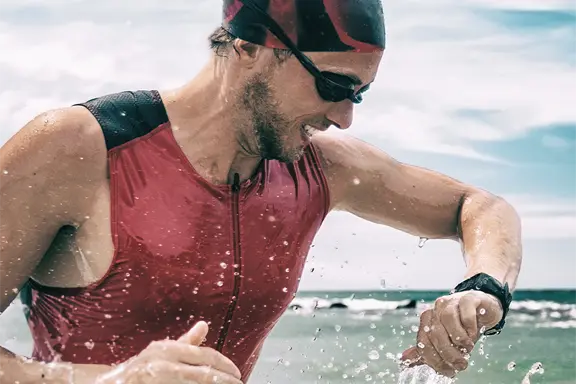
312, 25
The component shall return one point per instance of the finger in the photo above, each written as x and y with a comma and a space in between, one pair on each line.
431, 356
167, 371
425, 349
411, 357
447, 351
468, 307
450, 320
221, 362
196, 335
205, 375
199, 356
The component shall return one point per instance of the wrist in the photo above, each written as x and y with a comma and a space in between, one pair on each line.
40, 372
485, 283
61, 372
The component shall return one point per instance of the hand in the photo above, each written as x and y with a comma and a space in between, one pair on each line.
449, 331
176, 362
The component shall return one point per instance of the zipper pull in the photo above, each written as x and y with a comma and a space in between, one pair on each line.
236, 183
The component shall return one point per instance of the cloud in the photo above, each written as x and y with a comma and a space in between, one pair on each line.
526, 5
556, 142
438, 67
435, 67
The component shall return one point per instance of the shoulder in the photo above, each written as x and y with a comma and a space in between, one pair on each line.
345, 160
341, 153
57, 133
61, 151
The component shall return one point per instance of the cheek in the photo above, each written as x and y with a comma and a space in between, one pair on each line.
297, 94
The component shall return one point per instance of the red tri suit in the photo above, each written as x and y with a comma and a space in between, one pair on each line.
185, 249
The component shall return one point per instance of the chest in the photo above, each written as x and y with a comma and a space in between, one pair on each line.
180, 240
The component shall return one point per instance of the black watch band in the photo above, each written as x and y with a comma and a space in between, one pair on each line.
487, 284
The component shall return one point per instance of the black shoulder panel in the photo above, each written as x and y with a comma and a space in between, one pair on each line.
127, 115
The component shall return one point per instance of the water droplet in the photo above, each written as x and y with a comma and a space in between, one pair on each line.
285, 242
373, 355
372, 326
421, 345
371, 338
338, 328
284, 289
482, 311
422, 241
483, 329
223, 265
5, 172
89, 344
15, 290
414, 328
356, 181
108, 316
426, 328
220, 283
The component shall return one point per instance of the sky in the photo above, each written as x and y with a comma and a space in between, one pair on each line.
480, 90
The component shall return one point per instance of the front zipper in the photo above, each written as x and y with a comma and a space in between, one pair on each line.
237, 260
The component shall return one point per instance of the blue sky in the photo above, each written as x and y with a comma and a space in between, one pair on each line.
482, 90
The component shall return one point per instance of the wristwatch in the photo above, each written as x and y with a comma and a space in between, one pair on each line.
487, 284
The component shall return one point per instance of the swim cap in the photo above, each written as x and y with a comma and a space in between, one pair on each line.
312, 25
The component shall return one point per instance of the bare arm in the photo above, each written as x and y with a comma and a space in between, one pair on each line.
370, 184
48, 171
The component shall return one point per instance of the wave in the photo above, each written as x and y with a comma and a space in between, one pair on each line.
310, 304
542, 314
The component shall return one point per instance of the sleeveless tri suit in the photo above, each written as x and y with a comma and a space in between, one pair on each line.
185, 249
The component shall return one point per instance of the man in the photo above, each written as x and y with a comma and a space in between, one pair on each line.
136, 216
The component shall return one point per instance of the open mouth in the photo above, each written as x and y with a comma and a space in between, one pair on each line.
308, 130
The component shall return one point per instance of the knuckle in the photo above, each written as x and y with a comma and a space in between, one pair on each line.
426, 316
157, 345
441, 302
195, 353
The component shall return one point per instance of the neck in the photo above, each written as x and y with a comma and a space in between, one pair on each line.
206, 122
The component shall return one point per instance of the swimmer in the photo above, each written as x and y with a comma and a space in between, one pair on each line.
138, 217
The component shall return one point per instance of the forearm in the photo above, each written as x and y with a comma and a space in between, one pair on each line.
490, 231
16, 369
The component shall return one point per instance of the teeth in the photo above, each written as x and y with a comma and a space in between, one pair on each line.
309, 130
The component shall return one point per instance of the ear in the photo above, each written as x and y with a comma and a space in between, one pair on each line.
247, 52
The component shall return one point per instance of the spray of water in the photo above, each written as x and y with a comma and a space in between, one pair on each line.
422, 374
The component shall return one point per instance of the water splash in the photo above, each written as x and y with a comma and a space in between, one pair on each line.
422, 374
536, 368
422, 241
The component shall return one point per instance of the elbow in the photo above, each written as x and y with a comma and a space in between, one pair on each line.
480, 208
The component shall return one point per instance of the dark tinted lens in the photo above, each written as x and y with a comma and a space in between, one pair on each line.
335, 87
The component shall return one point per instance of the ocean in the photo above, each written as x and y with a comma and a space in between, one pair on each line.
359, 338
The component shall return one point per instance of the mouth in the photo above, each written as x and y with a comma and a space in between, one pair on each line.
308, 131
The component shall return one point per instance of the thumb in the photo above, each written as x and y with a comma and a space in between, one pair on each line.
196, 335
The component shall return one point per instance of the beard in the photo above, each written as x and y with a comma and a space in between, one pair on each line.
270, 129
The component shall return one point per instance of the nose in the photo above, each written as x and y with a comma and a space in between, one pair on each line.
341, 114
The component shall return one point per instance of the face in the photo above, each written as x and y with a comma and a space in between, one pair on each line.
285, 109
